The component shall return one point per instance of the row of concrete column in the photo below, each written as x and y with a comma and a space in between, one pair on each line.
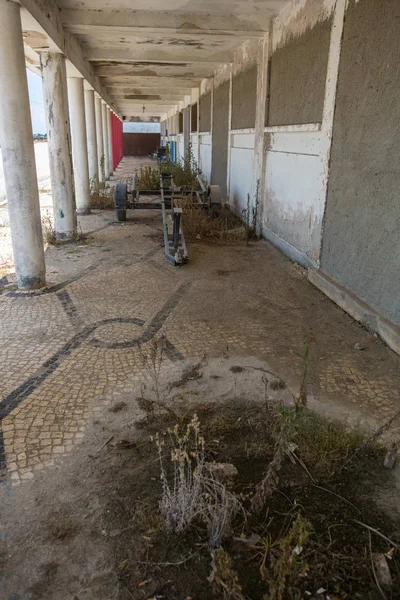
79, 144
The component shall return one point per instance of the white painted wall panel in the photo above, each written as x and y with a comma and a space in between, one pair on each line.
295, 197
241, 170
181, 149
205, 156
194, 138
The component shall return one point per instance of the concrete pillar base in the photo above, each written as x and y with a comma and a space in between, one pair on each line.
65, 236
31, 283
83, 211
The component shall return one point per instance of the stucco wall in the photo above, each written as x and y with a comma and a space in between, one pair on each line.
297, 77
205, 113
361, 243
220, 136
244, 90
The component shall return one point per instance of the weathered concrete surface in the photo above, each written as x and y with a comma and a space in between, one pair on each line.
59, 143
219, 154
244, 87
205, 113
79, 144
297, 77
361, 244
360, 311
90, 114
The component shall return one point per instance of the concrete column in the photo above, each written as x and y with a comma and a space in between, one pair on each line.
109, 140
18, 153
55, 96
105, 139
186, 130
90, 115
79, 144
99, 134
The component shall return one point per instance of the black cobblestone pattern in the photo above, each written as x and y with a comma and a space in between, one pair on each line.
8, 404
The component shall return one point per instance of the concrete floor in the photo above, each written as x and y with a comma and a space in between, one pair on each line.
71, 349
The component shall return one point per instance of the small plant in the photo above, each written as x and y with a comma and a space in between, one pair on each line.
285, 432
223, 578
103, 169
194, 494
147, 178
101, 195
184, 172
250, 216
286, 562
49, 234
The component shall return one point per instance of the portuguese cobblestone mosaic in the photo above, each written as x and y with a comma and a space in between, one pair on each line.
69, 350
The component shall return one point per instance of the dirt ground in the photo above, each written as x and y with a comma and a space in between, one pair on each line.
91, 529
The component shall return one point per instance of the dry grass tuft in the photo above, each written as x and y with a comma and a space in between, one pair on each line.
193, 494
324, 445
101, 196
49, 234
199, 225
147, 178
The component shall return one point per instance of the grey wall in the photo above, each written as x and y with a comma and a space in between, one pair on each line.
361, 243
219, 156
297, 78
244, 93
205, 112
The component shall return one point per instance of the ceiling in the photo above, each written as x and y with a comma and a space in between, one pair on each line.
150, 54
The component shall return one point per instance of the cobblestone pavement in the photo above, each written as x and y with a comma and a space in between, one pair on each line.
71, 349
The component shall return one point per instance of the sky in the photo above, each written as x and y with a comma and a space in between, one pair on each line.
38, 116
36, 102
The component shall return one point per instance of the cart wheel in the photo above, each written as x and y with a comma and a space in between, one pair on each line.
120, 200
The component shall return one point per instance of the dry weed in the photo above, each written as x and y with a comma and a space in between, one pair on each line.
194, 494
286, 562
223, 578
101, 196
199, 225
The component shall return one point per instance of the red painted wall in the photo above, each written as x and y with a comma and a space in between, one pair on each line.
117, 141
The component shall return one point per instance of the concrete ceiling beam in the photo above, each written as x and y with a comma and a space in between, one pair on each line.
126, 31
154, 69
165, 54
151, 82
143, 97
251, 24
47, 15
